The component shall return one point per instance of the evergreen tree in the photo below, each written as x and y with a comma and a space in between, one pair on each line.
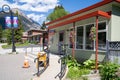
9, 36
4, 33
43, 25
58, 12
17, 32
0, 33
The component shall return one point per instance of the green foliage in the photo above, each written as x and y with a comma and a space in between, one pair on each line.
75, 69
4, 33
0, 32
34, 42
108, 71
43, 25
58, 12
17, 32
17, 45
71, 62
9, 36
75, 73
90, 64
92, 35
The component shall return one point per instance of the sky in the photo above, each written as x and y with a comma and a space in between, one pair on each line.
38, 10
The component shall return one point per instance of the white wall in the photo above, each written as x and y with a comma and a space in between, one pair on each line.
115, 23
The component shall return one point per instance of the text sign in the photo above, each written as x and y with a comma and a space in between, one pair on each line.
9, 23
15, 22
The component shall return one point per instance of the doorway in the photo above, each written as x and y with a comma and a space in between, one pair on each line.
60, 41
61, 36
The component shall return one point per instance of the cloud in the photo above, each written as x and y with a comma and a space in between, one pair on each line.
32, 5
37, 5
38, 18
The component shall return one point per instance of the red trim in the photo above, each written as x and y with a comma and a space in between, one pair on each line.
96, 13
118, 1
96, 53
84, 10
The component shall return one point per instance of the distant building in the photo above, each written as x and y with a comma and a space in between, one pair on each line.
25, 36
37, 36
4, 40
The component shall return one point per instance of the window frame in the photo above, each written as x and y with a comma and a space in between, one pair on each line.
84, 33
76, 36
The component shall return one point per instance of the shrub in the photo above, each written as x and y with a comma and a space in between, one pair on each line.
71, 62
108, 71
34, 42
75, 69
90, 64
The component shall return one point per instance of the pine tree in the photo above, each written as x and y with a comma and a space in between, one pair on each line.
17, 32
9, 36
0, 33
43, 25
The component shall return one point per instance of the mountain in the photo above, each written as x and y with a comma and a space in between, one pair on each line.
27, 22
34, 21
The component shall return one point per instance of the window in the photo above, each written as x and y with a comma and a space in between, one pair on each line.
102, 34
79, 40
89, 43
102, 26
83, 40
61, 36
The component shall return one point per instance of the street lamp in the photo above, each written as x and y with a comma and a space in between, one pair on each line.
6, 9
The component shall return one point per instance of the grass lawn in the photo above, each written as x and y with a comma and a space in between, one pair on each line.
16, 44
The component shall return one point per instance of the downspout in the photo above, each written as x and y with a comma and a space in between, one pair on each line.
96, 53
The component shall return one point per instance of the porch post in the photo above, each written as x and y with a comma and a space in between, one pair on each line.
96, 54
48, 39
73, 43
41, 42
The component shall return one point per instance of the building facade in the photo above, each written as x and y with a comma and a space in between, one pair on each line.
35, 36
75, 29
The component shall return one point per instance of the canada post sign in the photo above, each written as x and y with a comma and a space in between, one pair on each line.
9, 22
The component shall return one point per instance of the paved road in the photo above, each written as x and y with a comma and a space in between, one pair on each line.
11, 68
11, 65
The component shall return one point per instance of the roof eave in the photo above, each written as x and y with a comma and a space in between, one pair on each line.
84, 10
93, 14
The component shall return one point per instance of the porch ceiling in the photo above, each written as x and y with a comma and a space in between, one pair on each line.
93, 14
